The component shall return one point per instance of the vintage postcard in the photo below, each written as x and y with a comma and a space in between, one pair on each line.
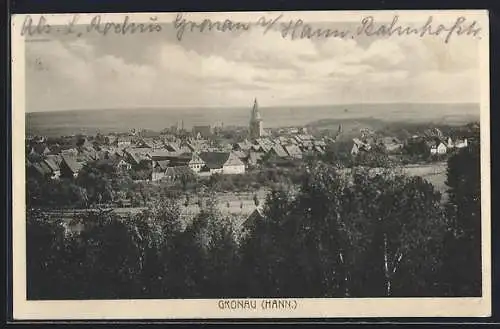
251, 165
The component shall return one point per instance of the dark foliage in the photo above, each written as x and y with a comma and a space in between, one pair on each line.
463, 258
361, 233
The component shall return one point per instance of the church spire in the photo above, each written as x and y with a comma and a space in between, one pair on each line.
255, 111
256, 130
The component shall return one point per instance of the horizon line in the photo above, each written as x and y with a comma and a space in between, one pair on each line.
242, 106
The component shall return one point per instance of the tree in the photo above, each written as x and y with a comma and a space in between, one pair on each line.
263, 250
45, 252
160, 229
109, 256
339, 153
97, 178
366, 233
402, 222
463, 258
256, 200
207, 255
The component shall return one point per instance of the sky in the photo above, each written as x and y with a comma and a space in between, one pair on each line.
231, 69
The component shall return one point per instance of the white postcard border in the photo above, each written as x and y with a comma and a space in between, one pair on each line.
209, 308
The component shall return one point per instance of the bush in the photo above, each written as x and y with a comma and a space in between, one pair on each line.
366, 233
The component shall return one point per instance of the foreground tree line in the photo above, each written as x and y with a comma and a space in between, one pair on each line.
364, 233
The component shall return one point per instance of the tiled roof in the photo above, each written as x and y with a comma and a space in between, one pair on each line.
214, 160
72, 164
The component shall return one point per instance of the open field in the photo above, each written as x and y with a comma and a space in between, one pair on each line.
435, 173
242, 204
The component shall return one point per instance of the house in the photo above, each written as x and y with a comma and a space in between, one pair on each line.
439, 149
304, 138
123, 165
391, 144
111, 140
318, 149
72, 152
293, 151
136, 156
187, 146
54, 162
171, 147
159, 169
222, 162
278, 151
254, 158
117, 153
173, 174
242, 146
144, 143
70, 167
40, 169
283, 140
258, 148
242, 155
355, 149
107, 165
320, 143
461, 143
450, 143
163, 155
103, 154
124, 141
196, 163
359, 145
85, 154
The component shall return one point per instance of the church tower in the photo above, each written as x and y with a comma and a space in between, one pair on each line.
256, 130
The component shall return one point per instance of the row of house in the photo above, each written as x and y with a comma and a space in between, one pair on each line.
439, 146
434, 145
294, 147
162, 162
171, 165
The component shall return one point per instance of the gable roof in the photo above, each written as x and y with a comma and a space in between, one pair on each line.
318, 149
233, 160
431, 143
162, 164
52, 163
111, 162
42, 168
279, 150
171, 147
196, 159
319, 143
72, 164
162, 154
215, 160
293, 150
245, 145
240, 154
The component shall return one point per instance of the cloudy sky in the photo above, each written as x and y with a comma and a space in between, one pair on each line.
229, 69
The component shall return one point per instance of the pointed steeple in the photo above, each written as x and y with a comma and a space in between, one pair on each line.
256, 130
255, 111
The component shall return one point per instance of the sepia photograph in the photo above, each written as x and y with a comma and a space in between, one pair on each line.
255, 161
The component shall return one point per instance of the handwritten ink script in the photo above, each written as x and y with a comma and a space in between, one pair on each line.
293, 29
